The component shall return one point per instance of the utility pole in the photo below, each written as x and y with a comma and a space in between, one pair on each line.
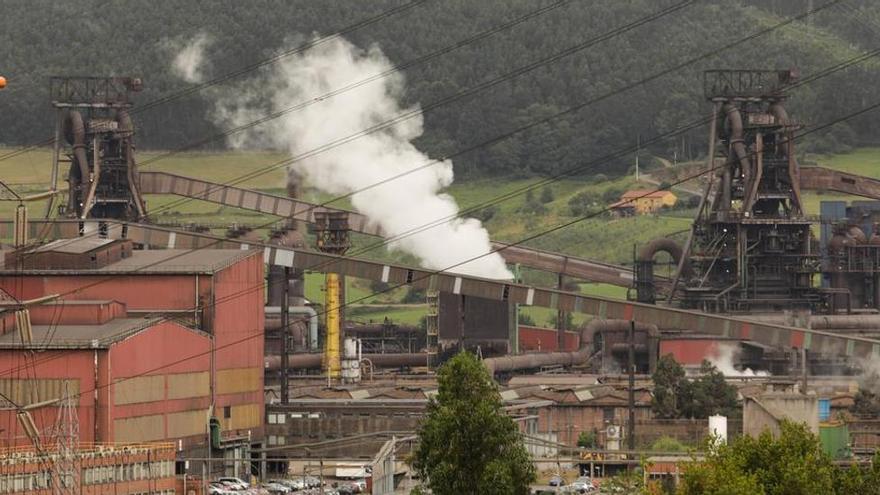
285, 337
638, 150
561, 317
632, 386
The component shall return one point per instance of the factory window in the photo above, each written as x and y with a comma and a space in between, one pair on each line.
608, 414
276, 440
227, 412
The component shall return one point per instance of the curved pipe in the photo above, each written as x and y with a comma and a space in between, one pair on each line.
735, 124
649, 250
126, 128
779, 113
300, 310
857, 234
537, 360
75, 132
781, 116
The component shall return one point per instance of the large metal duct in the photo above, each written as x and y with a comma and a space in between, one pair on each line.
313, 360
75, 133
831, 323
537, 360
735, 124
645, 284
125, 125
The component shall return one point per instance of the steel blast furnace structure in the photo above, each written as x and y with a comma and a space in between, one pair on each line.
95, 134
751, 247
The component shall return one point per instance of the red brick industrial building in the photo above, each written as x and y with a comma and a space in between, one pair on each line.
154, 342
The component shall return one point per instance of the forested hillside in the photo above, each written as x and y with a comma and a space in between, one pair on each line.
99, 37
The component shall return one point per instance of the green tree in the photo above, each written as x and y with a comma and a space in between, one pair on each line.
710, 394
669, 380
677, 397
547, 195
467, 444
587, 439
526, 319
792, 463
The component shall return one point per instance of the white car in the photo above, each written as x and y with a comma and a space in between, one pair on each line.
276, 488
235, 483
582, 485
216, 488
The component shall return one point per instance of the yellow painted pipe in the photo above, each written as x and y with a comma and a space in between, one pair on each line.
332, 362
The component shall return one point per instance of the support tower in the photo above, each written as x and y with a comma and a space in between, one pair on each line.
752, 247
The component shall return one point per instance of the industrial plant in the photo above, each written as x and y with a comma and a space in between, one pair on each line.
150, 358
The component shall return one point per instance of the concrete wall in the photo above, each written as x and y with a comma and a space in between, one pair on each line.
764, 412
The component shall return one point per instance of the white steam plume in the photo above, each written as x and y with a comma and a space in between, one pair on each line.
398, 205
723, 358
189, 62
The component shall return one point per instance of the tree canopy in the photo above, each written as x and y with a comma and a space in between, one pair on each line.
96, 37
675, 396
792, 463
467, 444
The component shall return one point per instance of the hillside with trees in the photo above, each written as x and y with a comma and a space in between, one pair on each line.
101, 37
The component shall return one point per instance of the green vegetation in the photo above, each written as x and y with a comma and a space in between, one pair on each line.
142, 38
467, 443
792, 463
588, 439
675, 396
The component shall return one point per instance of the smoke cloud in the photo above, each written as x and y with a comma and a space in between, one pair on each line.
724, 357
189, 62
398, 205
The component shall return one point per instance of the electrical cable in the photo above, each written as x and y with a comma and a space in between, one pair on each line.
507, 135
248, 68
485, 85
519, 242
536, 185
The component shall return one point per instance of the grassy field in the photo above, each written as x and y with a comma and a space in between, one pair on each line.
603, 238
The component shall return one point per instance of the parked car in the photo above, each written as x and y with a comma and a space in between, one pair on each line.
217, 488
235, 483
293, 485
276, 488
556, 480
583, 485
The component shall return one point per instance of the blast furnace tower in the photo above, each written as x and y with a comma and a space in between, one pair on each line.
95, 135
752, 247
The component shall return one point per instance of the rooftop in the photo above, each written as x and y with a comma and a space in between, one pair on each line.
203, 261
79, 336
78, 246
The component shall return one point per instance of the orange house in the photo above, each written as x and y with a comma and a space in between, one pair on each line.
643, 201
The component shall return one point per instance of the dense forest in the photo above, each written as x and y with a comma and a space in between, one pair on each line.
116, 37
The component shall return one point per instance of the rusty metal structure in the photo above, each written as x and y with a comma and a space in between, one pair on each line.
751, 247
95, 135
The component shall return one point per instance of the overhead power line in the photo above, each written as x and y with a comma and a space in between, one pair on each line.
248, 68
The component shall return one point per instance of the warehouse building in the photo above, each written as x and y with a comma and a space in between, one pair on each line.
157, 345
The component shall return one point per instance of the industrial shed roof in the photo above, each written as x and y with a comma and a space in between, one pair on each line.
79, 246
164, 261
79, 336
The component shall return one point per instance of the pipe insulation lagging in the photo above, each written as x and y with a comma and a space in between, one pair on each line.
538, 360
75, 133
272, 362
